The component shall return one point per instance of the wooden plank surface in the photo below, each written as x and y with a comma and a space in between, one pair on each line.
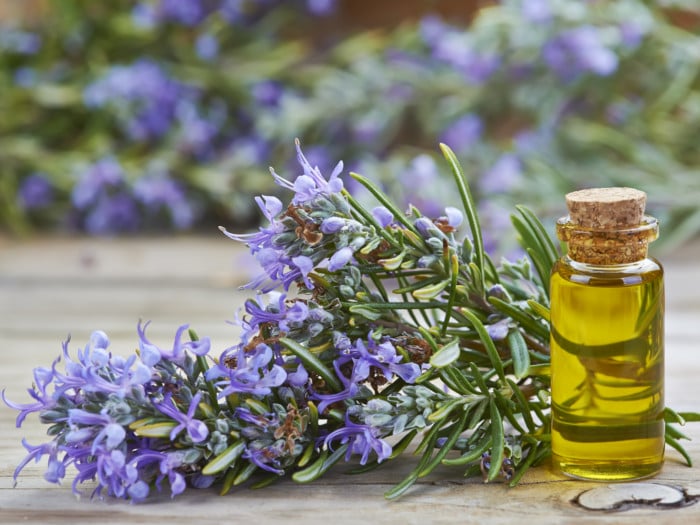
52, 287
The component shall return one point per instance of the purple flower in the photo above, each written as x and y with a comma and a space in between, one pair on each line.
101, 195
152, 354
321, 7
265, 457
499, 330
383, 216
534, 140
426, 227
340, 258
362, 439
453, 216
360, 372
463, 133
96, 370
311, 183
35, 192
253, 372
56, 470
278, 247
267, 93
505, 174
143, 96
457, 49
277, 265
632, 34
113, 213
25, 77
298, 378
19, 41
169, 466
384, 357
303, 265
158, 191
144, 15
189, 13
276, 312
332, 225
578, 51
116, 475
95, 179
495, 221
432, 29
103, 429
207, 47
264, 238
537, 11
198, 127
196, 430
43, 377
422, 173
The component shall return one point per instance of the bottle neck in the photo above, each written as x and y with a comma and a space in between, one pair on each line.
607, 247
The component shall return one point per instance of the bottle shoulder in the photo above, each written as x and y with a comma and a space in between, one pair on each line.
645, 270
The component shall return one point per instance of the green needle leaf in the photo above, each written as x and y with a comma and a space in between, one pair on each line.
519, 353
156, 430
401, 488
469, 208
311, 472
488, 343
497, 443
676, 445
447, 355
319, 467
225, 459
446, 447
430, 292
471, 455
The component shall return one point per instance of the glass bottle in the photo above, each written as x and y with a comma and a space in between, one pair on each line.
607, 342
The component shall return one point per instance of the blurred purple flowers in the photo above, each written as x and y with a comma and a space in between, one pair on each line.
106, 202
142, 95
36, 192
456, 48
577, 51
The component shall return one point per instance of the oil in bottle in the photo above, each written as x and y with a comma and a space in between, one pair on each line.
607, 343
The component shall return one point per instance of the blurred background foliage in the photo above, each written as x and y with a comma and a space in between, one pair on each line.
162, 115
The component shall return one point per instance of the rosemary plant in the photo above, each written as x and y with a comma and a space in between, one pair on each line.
372, 332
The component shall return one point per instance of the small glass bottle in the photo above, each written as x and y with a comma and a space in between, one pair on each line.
607, 342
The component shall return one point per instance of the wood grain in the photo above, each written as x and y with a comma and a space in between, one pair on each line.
52, 287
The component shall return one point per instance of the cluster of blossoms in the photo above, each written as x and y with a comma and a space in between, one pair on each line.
194, 12
105, 201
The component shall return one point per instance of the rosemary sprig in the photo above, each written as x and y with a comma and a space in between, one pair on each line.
397, 332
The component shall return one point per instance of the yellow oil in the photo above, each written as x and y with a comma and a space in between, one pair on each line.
607, 356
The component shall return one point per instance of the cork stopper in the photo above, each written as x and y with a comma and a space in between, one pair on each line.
606, 208
607, 226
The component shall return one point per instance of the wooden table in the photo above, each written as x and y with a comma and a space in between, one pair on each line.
52, 287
